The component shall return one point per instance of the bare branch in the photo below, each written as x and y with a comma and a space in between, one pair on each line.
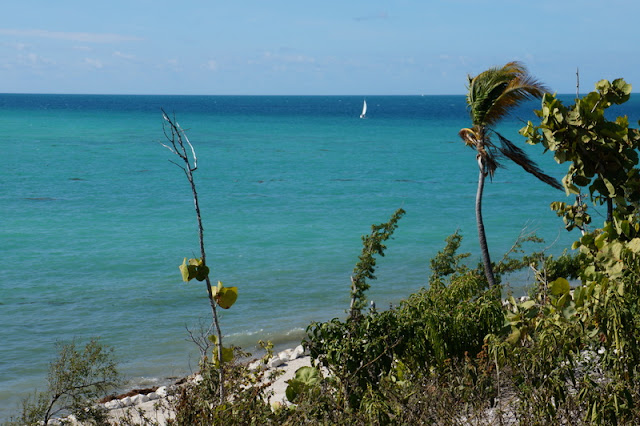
193, 151
201, 340
169, 148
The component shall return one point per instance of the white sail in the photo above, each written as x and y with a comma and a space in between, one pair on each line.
364, 109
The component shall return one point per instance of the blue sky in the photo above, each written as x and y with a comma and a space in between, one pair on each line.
301, 47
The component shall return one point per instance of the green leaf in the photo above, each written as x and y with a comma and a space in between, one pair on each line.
615, 270
305, 378
564, 301
227, 355
226, 296
610, 188
634, 245
578, 296
201, 273
193, 269
559, 286
216, 289
294, 389
308, 375
528, 304
600, 240
514, 337
184, 270
625, 227
622, 86
581, 180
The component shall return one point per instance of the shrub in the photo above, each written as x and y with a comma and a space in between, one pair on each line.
77, 378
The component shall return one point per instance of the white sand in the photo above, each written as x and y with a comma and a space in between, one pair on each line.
279, 387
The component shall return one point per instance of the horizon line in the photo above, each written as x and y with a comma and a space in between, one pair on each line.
253, 95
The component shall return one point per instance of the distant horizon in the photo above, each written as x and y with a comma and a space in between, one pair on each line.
254, 95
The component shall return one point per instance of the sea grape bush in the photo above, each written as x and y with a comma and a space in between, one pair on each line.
197, 268
572, 354
602, 154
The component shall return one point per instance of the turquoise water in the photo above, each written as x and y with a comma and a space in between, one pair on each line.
96, 220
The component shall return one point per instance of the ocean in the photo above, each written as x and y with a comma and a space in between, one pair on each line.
96, 219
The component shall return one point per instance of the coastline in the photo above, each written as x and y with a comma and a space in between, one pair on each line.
150, 402
283, 224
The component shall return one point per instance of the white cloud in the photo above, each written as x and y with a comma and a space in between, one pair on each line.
119, 54
95, 63
170, 64
211, 65
32, 60
29, 58
70, 36
20, 47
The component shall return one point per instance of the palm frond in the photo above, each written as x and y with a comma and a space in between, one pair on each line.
519, 89
518, 156
494, 92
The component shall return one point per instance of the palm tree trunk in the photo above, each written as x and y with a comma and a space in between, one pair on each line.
482, 238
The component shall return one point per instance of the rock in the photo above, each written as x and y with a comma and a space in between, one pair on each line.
162, 391
126, 402
152, 396
285, 355
275, 362
139, 399
297, 352
114, 403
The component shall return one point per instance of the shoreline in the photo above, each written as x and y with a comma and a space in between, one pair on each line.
148, 402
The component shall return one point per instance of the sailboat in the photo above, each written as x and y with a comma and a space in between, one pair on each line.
364, 109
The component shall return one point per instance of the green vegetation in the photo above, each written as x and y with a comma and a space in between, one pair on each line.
77, 378
602, 154
455, 352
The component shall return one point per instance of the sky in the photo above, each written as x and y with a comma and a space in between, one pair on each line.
277, 47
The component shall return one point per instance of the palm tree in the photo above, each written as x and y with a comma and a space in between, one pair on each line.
492, 94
